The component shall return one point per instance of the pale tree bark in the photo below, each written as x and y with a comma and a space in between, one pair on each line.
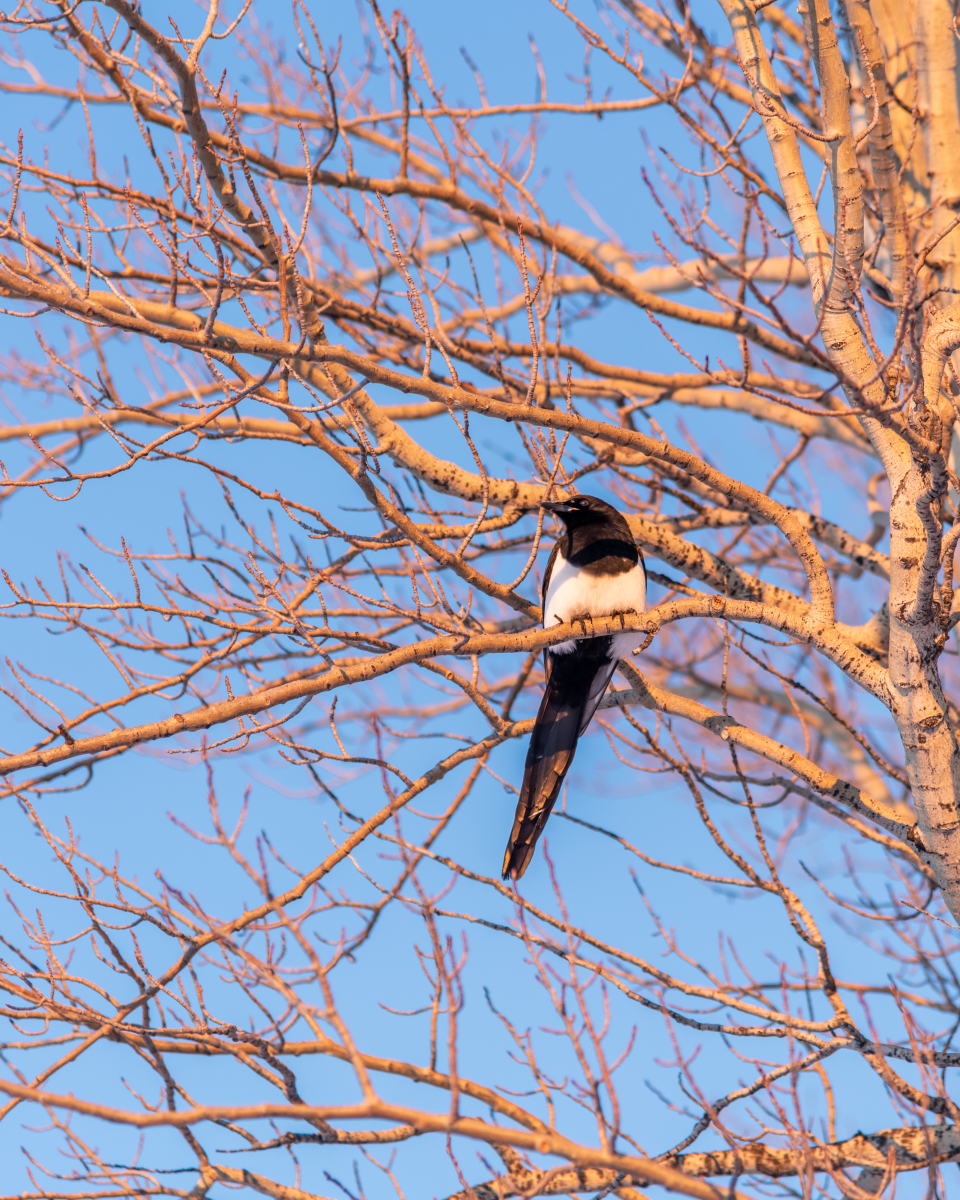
364, 325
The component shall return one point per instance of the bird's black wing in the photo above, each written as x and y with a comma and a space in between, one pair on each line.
545, 585
574, 687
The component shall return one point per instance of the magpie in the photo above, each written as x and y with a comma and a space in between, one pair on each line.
594, 570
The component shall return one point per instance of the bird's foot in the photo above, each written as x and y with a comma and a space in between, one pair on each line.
627, 612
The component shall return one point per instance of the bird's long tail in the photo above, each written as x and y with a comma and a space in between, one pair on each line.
574, 687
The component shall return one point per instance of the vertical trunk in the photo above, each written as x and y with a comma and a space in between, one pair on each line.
841, 156
937, 87
916, 639
916, 694
883, 159
895, 20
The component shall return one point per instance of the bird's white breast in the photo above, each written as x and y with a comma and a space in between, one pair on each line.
573, 593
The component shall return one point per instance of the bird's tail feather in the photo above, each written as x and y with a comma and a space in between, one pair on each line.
574, 688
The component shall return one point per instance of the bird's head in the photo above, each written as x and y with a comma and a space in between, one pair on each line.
583, 510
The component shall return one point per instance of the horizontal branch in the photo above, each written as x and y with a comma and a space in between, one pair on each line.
914, 1150
829, 642
227, 424
611, 282
496, 216
729, 729
694, 272
636, 1168
614, 383
206, 1044
230, 340
504, 491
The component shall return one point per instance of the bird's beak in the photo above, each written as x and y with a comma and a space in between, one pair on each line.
559, 507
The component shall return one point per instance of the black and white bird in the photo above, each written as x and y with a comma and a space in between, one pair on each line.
595, 570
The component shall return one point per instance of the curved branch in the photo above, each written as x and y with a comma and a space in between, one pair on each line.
729, 729
914, 1149
446, 193
829, 642
228, 340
